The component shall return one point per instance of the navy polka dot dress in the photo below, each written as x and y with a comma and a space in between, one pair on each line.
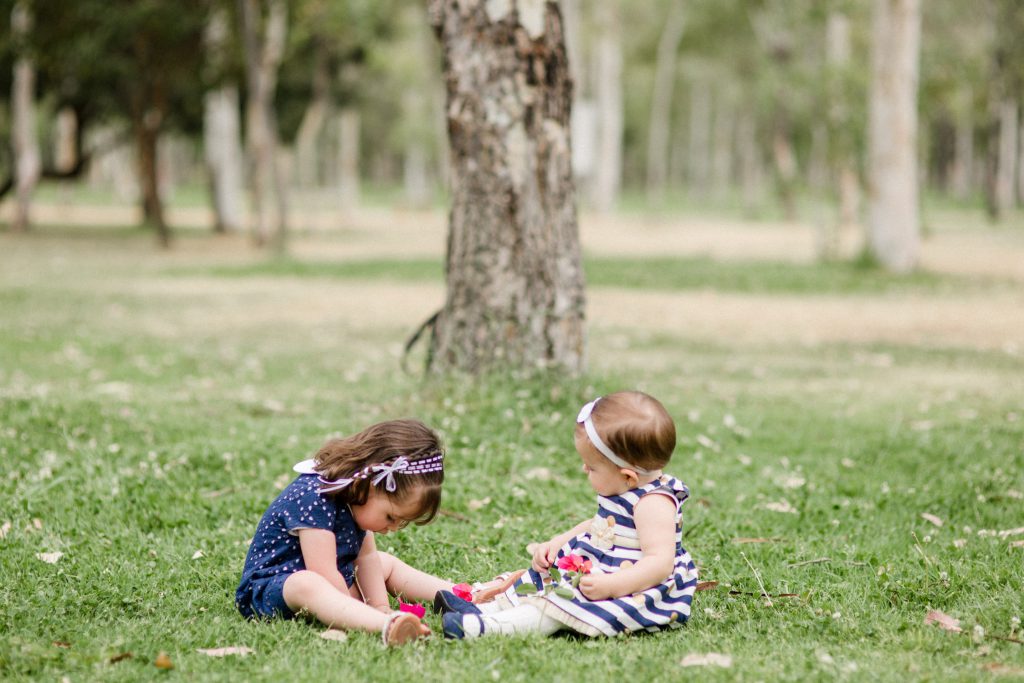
275, 552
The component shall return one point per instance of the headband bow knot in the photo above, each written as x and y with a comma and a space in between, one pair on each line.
387, 472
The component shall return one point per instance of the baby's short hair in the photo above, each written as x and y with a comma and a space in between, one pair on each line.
636, 427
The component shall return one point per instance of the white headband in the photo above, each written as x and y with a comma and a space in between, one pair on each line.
588, 424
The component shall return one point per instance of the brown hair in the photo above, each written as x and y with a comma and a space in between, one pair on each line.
636, 427
380, 443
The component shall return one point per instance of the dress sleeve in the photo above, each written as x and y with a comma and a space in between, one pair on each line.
673, 488
309, 510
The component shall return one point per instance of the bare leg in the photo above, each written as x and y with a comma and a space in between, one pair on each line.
408, 582
309, 591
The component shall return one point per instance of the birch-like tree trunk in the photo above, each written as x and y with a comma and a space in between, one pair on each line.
264, 47
24, 144
658, 147
893, 215
1006, 165
348, 123
65, 140
222, 144
515, 285
961, 173
699, 166
307, 140
608, 171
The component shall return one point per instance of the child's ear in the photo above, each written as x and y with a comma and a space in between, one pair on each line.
631, 476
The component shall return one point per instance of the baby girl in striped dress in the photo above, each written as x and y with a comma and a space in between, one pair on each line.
623, 570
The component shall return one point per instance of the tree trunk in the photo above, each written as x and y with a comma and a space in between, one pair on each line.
263, 52
893, 215
147, 136
414, 174
65, 141
1006, 166
751, 162
222, 136
307, 140
700, 137
608, 173
348, 157
661, 101
722, 137
785, 164
515, 284
24, 144
961, 174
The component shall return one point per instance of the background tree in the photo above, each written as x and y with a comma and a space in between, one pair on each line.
24, 143
515, 284
893, 217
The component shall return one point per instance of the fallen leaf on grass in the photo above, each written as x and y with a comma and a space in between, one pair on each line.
62, 643
1017, 544
49, 558
780, 506
475, 505
334, 634
120, 657
225, 651
706, 585
707, 659
756, 540
538, 473
944, 621
931, 518
197, 554
4, 529
1000, 668
163, 661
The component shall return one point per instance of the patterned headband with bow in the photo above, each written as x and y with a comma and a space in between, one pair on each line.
381, 472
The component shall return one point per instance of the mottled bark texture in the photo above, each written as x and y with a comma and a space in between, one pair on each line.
515, 285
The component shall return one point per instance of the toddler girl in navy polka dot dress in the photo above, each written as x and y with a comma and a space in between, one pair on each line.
314, 550
625, 569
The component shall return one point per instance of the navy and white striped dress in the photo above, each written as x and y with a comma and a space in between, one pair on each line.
611, 544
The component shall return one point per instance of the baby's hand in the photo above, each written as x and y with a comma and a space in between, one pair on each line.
596, 587
544, 554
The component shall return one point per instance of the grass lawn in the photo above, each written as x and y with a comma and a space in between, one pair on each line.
142, 440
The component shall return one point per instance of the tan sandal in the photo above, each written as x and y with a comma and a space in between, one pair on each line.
401, 628
485, 592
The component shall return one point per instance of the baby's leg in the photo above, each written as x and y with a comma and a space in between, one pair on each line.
306, 590
408, 582
521, 619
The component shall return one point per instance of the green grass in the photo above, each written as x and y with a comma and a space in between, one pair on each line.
137, 446
653, 273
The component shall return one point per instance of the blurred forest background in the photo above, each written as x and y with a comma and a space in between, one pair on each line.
261, 108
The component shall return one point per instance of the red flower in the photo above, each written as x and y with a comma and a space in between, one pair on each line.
464, 591
413, 608
574, 563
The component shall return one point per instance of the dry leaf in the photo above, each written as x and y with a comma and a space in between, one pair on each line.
197, 554
163, 661
706, 585
707, 659
4, 529
50, 558
538, 473
120, 657
225, 651
334, 634
1000, 668
931, 518
37, 523
781, 506
475, 505
1017, 544
62, 643
1011, 532
944, 621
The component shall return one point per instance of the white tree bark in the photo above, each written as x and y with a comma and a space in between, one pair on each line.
699, 166
308, 139
222, 142
348, 123
263, 51
1006, 168
608, 171
722, 147
24, 144
658, 147
893, 214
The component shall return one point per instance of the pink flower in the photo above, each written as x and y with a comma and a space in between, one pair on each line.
411, 608
464, 591
574, 563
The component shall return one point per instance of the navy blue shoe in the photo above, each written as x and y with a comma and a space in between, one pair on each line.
454, 626
446, 601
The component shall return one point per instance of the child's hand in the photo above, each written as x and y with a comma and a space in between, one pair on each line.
544, 554
596, 587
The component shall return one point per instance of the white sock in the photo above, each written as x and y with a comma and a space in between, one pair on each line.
521, 619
